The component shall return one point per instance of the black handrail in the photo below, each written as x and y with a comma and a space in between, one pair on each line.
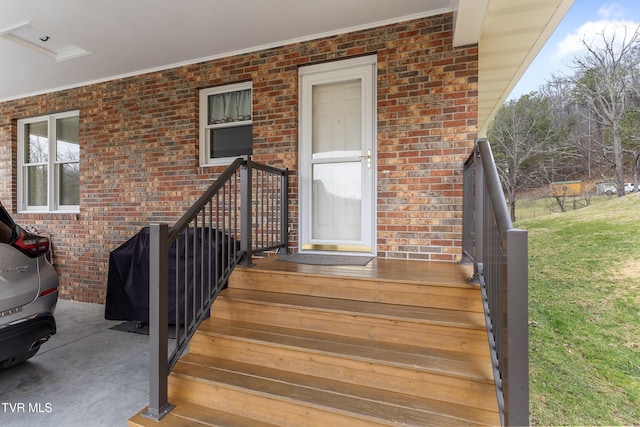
204, 199
243, 212
500, 257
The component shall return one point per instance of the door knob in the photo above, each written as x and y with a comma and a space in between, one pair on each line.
368, 157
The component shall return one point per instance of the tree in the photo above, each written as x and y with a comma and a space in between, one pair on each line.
630, 136
604, 82
572, 150
583, 136
523, 137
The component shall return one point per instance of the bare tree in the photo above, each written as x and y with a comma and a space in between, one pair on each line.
630, 134
523, 137
604, 82
575, 145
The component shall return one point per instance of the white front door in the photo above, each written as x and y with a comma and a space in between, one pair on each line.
337, 151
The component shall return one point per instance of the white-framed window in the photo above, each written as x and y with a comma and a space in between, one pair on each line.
49, 163
226, 130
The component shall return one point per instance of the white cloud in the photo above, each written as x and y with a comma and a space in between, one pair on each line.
592, 33
557, 57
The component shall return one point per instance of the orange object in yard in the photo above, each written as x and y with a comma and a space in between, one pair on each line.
566, 188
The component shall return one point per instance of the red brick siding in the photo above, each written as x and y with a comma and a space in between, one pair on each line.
139, 144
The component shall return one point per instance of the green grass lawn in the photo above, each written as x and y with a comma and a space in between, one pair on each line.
538, 207
584, 314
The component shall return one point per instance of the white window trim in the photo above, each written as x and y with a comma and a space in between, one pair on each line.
52, 179
205, 161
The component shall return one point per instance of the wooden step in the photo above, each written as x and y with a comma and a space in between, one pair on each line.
445, 291
380, 269
187, 414
435, 374
422, 326
285, 398
393, 343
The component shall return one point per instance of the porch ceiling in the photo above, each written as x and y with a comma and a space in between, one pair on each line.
127, 37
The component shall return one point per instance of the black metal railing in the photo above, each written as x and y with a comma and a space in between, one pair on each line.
243, 212
499, 253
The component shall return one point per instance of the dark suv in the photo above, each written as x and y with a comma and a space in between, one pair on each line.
28, 292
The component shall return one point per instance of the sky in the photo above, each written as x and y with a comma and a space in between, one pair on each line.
585, 20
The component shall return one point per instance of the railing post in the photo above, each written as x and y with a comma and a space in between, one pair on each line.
246, 217
159, 405
468, 177
479, 188
516, 363
284, 211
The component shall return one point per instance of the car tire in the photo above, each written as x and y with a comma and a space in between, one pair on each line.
8, 363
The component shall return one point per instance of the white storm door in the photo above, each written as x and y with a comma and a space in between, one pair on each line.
336, 176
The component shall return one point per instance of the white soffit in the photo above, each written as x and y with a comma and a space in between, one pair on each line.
44, 41
513, 33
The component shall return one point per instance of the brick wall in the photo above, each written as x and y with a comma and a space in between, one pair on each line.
139, 144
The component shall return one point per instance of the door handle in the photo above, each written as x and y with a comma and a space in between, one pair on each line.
368, 157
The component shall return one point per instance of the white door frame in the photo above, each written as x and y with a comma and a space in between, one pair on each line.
363, 68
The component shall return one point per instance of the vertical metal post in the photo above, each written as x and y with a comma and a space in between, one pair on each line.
158, 322
467, 209
246, 200
516, 360
284, 211
478, 265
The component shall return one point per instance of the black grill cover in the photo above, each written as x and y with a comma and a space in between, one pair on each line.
128, 278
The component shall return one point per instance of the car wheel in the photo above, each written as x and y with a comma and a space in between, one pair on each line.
8, 363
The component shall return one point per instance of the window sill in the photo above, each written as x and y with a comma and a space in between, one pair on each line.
49, 215
57, 212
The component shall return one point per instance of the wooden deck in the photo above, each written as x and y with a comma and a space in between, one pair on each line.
392, 343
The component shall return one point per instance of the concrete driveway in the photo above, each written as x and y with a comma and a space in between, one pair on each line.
86, 375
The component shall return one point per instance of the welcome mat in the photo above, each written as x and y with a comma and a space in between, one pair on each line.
319, 259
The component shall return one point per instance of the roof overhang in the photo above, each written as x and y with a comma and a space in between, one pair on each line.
512, 34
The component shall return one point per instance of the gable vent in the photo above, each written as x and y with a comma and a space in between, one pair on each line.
44, 41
